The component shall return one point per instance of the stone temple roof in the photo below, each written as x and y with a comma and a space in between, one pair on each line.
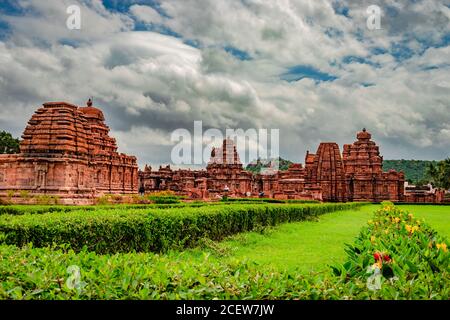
92, 112
64, 128
363, 135
227, 154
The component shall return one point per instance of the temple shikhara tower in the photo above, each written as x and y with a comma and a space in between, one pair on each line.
328, 175
66, 151
364, 174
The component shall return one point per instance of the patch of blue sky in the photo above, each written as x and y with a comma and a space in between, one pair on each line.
140, 26
11, 8
123, 6
362, 60
5, 30
193, 43
334, 32
69, 42
237, 53
378, 50
400, 51
299, 72
340, 8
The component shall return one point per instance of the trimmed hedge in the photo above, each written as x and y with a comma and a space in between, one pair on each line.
268, 200
42, 209
107, 231
418, 268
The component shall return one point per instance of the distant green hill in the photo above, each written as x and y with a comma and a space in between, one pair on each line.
414, 169
257, 165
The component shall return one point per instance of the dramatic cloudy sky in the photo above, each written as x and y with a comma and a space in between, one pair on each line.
311, 68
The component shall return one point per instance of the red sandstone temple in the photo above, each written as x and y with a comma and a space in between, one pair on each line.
328, 175
67, 151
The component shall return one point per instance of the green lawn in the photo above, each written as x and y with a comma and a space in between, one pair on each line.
310, 245
307, 245
438, 217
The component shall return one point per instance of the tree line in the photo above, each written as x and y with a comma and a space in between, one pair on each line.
439, 174
8, 144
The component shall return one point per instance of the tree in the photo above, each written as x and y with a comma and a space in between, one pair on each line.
8, 144
439, 174
444, 173
432, 173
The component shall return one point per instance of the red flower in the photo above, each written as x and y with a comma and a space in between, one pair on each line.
386, 258
377, 256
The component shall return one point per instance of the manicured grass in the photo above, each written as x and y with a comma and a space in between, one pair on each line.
438, 217
307, 245
312, 245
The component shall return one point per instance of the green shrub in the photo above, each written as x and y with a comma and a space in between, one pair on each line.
42, 209
35, 273
46, 200
24, 194
119, 230
418, 269
412, 259
10, 193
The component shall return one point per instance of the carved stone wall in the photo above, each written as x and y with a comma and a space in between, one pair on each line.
67, 151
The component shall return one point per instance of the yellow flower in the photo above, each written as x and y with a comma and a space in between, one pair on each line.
386, 231
442, 246
379, 264
410, 216
396, 220
372, 238
411, 229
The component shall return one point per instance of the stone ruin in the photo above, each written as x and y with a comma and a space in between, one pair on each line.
328, 175
66, 151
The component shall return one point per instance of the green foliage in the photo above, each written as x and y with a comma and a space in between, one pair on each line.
439, 174
47, 200
42, 209
267, 200
24, 194
165, 199
418, 268
124, 230
412, 258
257, 166
8, 144
10, 193
415, 170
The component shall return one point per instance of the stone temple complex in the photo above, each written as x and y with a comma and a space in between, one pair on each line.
66, 151
328, 175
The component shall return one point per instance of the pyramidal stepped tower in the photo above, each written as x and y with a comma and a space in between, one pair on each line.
66, 151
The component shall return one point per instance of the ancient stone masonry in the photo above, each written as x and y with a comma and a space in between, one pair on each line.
364, 174
328, 175
224, 173
325, 170
423, 194
67, 151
